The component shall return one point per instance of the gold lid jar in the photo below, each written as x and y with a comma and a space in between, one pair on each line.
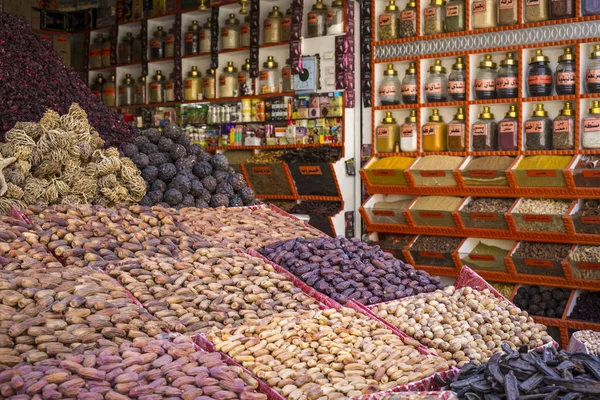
272, 26
208, 84
268, 81
228, 81
193, 85
230, 33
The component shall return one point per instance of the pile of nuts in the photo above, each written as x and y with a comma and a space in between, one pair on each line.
326, 354
591, 339
463, 325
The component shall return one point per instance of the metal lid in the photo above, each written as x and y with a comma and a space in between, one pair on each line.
388, 119
390, 71
567, 55
270, 63
208, 23
512, 112
460, 114
100, 36
337, 3
113, 78
232, 19
596, 52
435, 116
411, 4
195, 26
243, 10
567, 109
412, 68
486, 113
319, 5
595, 108
129, 36
100, 79
459, 64
230, 68
159, 76
128, 79
142, 78
412, 117
539, 57
437, 67
539, 111
391, 6
210, 71
487, 62
246, 65
437, 2
275, 12
194, 73
509, 60
160, 30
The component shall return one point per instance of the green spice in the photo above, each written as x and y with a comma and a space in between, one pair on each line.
479, 258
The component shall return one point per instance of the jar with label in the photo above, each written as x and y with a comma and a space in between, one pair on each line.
434, 17
409, 85
484, 132
563, 129
192, 86
387, 135
507, 12
390, 87
455, 16
507, 83
157, 44
96, 52
170, 43
435, 133
389, 22
317, 20
137, 48
590, 134
191, 39
592, 73
539, 75
157, 88
408, 20
106, 45
208, 84
536, 10
127, 91
230, 33
538, 130
286, 25
170, 88
564, 77
109, 91
335, 18
140, 90
272, 26
228, 81
436, 84
485, 79
484, 14
456, 131
508, 130
205, 36
287, 79
126, 49
562, 9
457, 81
97, 86
245, 81
590, 7
245, 32
268, 79
408, 133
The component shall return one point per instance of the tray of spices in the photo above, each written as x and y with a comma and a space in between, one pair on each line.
387, 171
434, 210
585, 262
314, 179
485, 254
392, 243
486, 171
237, 157
269, 179
541, 171
434, 250
585, 216
538, 258
435, 170
586, 171
386, 209
485, 212
542, 301
584, 307
540, 215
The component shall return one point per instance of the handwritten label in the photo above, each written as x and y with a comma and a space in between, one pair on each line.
203, 35
479, 6
241, 77
433, 87
189, 37
565, 78
592, 76
537, 218
384, 19
451, 11
409, 90
263, 76
590, 220
485, 84
480, 129
430, 12
106, 52
408, 15
154, 43
95, 53
170, 39
588, 266
484, 216
108, 92
481, 257
431, 214
206, 82
387, 90
432, 174
286, 73
591, 174
384, 172
407, 130
268, 25
171, 84
310, 170
507, 83
245, 29
431, 254
508, 127
532, 262
483, 173
562, 125
312, 17
456, 129
383, 132
287, 21
222, 81
456, 87
591, 124
384, 213
428, 130
224, 32
540, 80
261, 170
504, 4
534, 127
541, 173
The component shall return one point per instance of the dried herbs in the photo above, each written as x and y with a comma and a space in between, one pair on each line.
586, 308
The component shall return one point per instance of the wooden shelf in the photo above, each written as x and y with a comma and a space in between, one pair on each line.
274, 147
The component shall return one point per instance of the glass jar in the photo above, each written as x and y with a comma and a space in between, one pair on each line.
208, 84
485, 79
287, 79
408, 20
157, 44
564, 77
507, 83
140, 90
97, 86
228, 81
170, 88
563, 129
268, 79
170, 43
127, 91
335, 18
245, 81
126, 49
590, 134
484, 132
562, 9
317, 20
192, 87
286, 25
230, 33
390, 87
205, 36
409, 85
455, 16
272, 27
536, 10
434, 132
434, 17
109, 92
539, 75
592, 73
507, 12
508, 130
389, 21
436, 84
96, 52
457, 81
484, 14
106, 52
590, 7
191, 39
408, 133
157, 88
245, 32
137, 48
538, 130
456, 131
387, 135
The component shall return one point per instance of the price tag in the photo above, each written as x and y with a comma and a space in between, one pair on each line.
384, 172
432, 174
431, 214
384, 213
532, 262
537, 218
431, 254
484, 216
482, 257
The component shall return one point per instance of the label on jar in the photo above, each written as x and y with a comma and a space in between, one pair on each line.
170, 39
384, 213
408, 15
286, 73
312, 18
287, 21
589, 266
565, 78
245, 29
540, 80
188, 84
451, 11
433, 87
383, 132
155, 44
504, 4
480, 129
121, 89
408, 90
268, 24
407, 130
428, 130
456, 129
479, 6
154, 87
263, 76
431, 214
206, 82
591, 124
456, 87
537, 218
170, 84
106, 52
483, 173
532, 2
507, 82
189, 37
95, 53
430, 12
241, 78
387, 90
484, 216
485, 85
224, 32
592, 76
138, 88
108, 92
508, 127
202, 34
562, 126
532, 262
534, 127
330, 16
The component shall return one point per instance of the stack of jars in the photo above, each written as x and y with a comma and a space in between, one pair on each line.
391, 137
99, 55
492, 83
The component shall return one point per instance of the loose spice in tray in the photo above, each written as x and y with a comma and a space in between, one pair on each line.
483, 249
489, 170
489, 205
582, 178
586, 307
540, 250
587, 262
546, 209
437, 203
587, 218
440, 244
